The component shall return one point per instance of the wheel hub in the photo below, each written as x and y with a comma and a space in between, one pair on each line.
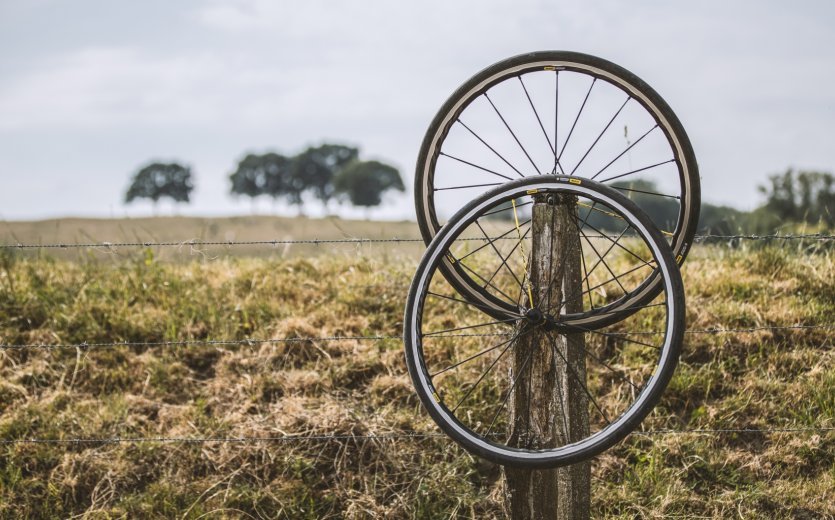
537, 317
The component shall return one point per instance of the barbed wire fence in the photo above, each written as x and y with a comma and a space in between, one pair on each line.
402, 435
705, 238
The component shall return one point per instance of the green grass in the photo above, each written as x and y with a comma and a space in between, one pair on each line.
749, 380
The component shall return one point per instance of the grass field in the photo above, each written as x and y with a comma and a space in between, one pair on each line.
354, 388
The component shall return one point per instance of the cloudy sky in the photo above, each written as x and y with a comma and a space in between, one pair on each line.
91, 90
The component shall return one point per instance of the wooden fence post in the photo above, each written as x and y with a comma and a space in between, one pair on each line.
549, 406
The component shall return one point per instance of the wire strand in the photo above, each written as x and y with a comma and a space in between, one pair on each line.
372, 437
306, 339
316, 241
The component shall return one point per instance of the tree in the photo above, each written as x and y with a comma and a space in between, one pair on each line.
268, 174
800, 197
365, 182
722, 220
281, 182
315, 168
249, 179
158, 180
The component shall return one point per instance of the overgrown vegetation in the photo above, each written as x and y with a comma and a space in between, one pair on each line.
794, 202
763, 379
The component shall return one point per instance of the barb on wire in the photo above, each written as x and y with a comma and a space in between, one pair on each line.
211, 342
803, 236
714, 431
183, 243
733, 330
187, 342
257, 341
317, 241
231, 440
411, 435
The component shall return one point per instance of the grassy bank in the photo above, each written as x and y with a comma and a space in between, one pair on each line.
357, 388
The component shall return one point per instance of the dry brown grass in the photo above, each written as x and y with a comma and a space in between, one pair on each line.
357, 387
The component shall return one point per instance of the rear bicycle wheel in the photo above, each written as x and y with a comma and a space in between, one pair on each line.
559, 113
459, 355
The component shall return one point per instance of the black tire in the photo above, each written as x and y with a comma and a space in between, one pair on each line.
434, 357
618, 79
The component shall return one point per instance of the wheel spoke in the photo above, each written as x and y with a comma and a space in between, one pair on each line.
645, 168
614, 371
501, 258
500, 156
488, 283
484, 374
601, 234
467, 327
474, 356
535, 169
515, 246
619, 188
618, 156
479, 248
468, 186
525, 365
500, 210
476, 166
579, 112
588, 273
599, 136
574, 298
535, 113
619, 336
580, 381
599, 256
482, 308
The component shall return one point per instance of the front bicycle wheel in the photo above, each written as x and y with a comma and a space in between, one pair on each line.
473, 371
559, 113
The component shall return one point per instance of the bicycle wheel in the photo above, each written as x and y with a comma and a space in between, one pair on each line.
472, 371
556, 112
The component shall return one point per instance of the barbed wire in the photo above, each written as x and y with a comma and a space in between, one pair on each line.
189, 342
289, 438
226, 342
379, 337
709, 431
803, 236
239, 440
352, 241
196, 243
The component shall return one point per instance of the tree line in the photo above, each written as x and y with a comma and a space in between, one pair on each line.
793, 200
322, 173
